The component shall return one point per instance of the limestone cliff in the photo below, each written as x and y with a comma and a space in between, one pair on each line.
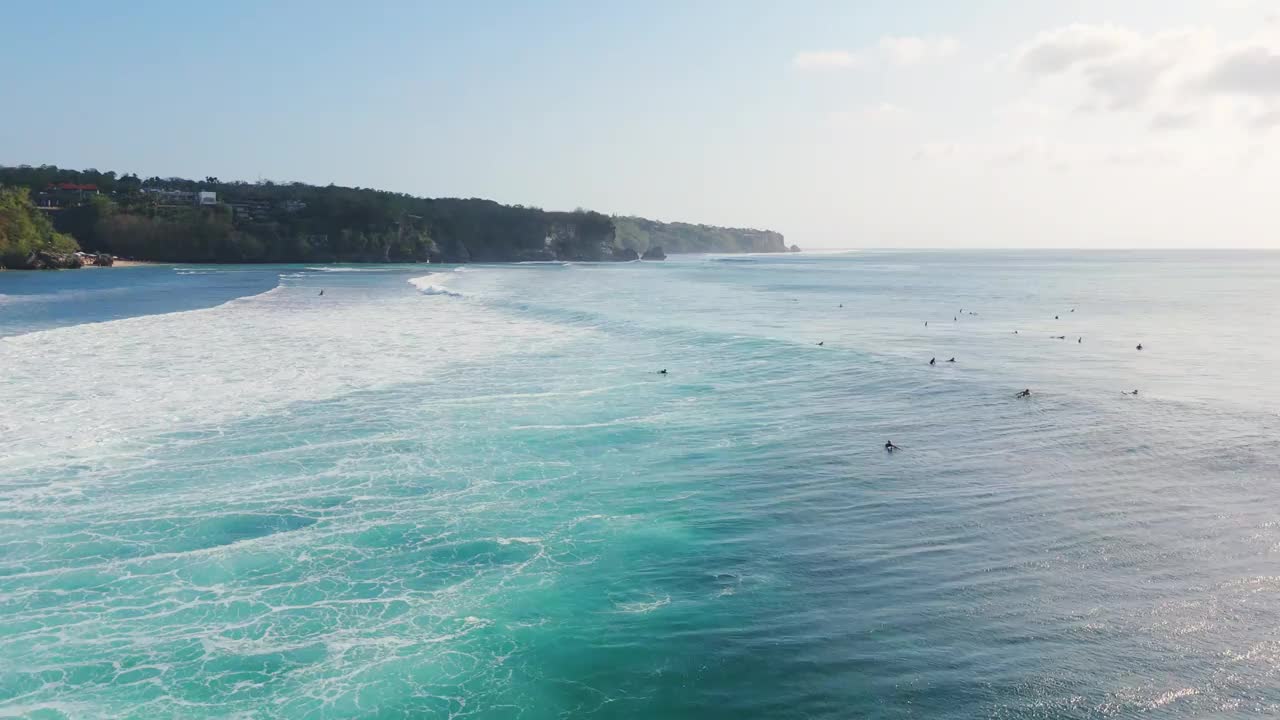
641, 234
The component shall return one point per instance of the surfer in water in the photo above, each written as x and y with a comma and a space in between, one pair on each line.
952, 360
933, 361
1139, 346
663, 371
890, 447
820, 343
321, 293
1024, 393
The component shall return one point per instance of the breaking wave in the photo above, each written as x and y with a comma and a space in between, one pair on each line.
426, 287
215, 368
350, 269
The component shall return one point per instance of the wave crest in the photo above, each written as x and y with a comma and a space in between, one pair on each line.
427, 287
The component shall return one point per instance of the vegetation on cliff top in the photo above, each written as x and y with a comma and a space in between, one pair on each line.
164, 219
25, 231
642, 234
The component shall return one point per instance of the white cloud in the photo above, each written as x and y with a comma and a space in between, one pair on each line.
1176, 77
824, 60
1123, 69
1037, 153
1029, 116
1266, 119
1031, 151
1249, 70
878, 118
904, 50
914, 50
937, 151
883, 110
1126, 81
1173, 120
1027, 152
1143, 156
1260, 117
1058, 50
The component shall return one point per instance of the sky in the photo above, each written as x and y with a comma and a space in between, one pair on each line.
880, 123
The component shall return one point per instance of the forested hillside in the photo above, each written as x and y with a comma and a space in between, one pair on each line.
183, 220
25, 232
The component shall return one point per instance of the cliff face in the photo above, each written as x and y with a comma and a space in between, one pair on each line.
641, 234
582, 236
482, 231
156, 219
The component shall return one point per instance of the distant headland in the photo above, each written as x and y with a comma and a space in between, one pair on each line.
47, 214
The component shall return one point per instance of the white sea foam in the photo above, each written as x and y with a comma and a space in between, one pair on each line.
350, 269
16, 299
641, 608
430, 285
76, 391
637, 420
429, 289
521, 540
61, 295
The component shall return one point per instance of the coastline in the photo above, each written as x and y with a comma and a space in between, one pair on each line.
118, 263
121, 262
91, 266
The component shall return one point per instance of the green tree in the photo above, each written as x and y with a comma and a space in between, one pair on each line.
82, 221
25, 230
267, 221
129, 183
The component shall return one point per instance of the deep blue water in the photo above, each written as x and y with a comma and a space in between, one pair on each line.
470, 494
39, 301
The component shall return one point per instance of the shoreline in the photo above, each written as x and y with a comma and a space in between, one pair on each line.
129, 263
120, 262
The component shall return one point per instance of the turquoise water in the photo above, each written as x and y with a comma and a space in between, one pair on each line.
469, 494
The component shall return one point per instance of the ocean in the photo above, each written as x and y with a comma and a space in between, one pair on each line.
468, 492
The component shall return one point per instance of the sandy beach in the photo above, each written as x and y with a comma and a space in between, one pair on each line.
118, 263
132, 263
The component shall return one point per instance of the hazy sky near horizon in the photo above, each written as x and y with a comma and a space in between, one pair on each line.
1073, 123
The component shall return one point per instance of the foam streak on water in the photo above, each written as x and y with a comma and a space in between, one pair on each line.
469, 494
70, 391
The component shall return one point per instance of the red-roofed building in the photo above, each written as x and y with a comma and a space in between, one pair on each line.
64, 194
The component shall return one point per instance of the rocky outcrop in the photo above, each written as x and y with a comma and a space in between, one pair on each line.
581, 236
678, 237
451, 250
540, 255
794, 248
654, 253
48, 260
528, 235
